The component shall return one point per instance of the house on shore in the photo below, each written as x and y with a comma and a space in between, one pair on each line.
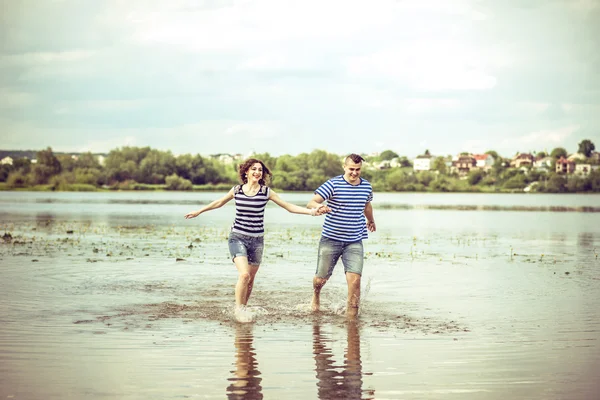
564, 166
522, 160
484, 161
463, 164
423, 162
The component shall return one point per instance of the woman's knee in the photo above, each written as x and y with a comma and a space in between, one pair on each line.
245, 277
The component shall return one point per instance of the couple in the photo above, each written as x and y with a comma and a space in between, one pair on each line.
349, 216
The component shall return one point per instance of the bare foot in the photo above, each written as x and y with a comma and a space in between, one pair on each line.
352, 313
243, 315
316, 304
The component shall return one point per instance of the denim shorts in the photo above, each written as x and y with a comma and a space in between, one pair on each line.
330, 252
246, 246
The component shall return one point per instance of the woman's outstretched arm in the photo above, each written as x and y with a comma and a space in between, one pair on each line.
211, 206
322, 209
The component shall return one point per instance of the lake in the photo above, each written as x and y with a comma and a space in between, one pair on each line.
115, 295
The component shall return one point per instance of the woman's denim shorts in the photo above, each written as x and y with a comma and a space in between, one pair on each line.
246, 246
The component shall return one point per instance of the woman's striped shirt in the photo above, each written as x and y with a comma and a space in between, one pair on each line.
250, 211
346, 222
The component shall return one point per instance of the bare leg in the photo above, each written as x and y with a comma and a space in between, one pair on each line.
253, 269
241, 288
318, 284
353, 295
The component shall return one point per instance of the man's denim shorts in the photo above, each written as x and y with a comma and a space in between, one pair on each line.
330, 251
246, 246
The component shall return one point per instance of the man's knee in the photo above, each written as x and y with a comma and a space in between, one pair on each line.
353, 280
319, 282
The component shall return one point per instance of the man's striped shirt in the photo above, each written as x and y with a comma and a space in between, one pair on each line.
346, 222
250, 211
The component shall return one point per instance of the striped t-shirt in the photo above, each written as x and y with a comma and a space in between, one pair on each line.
250, 211
346, 222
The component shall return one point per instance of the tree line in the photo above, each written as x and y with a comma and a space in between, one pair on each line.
144, 168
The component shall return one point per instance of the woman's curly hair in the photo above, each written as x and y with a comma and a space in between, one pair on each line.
245, 166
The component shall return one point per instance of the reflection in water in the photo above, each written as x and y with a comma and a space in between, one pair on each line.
44, 220
245, 383
339, 381
585, 239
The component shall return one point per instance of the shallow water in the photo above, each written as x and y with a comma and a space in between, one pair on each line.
458, 302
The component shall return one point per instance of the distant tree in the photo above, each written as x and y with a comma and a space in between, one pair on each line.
440, 184
155, 167
286, 163
67, 162
398, 180
578, 185
517, 181
558, 153
404, 162
493, 153
326, 164
23, 164
47, 166
498, 166
285, 180
475, 176
427, 153
542, 154
17, 179
48, 159
174, 182
586, 147
387, 155
556, 184
316, 178
5, 169
439, 164
425, 177
201, 170
87, 160
594, 180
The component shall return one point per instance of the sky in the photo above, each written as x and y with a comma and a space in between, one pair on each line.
287, 77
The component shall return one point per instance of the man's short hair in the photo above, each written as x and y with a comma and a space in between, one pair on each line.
355, 158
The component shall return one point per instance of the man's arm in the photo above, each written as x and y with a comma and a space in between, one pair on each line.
316, 201
370, 219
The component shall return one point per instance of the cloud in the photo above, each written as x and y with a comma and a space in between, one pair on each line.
253, 130
549, 136
584, 5
106, 145
530, 141
533, 106
10, 99
44, 58
101, 106
228, 75
424, 105
426, 65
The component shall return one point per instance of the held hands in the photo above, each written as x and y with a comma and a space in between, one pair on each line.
322, 209
193, 214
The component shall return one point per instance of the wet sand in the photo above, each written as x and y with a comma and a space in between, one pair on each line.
132, 308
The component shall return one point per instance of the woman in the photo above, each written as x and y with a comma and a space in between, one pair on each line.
246, 237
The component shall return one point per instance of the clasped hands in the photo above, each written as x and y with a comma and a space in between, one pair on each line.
322, 209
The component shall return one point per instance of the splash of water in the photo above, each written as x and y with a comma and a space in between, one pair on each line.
245, 314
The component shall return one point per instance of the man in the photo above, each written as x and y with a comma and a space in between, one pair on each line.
349, 198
